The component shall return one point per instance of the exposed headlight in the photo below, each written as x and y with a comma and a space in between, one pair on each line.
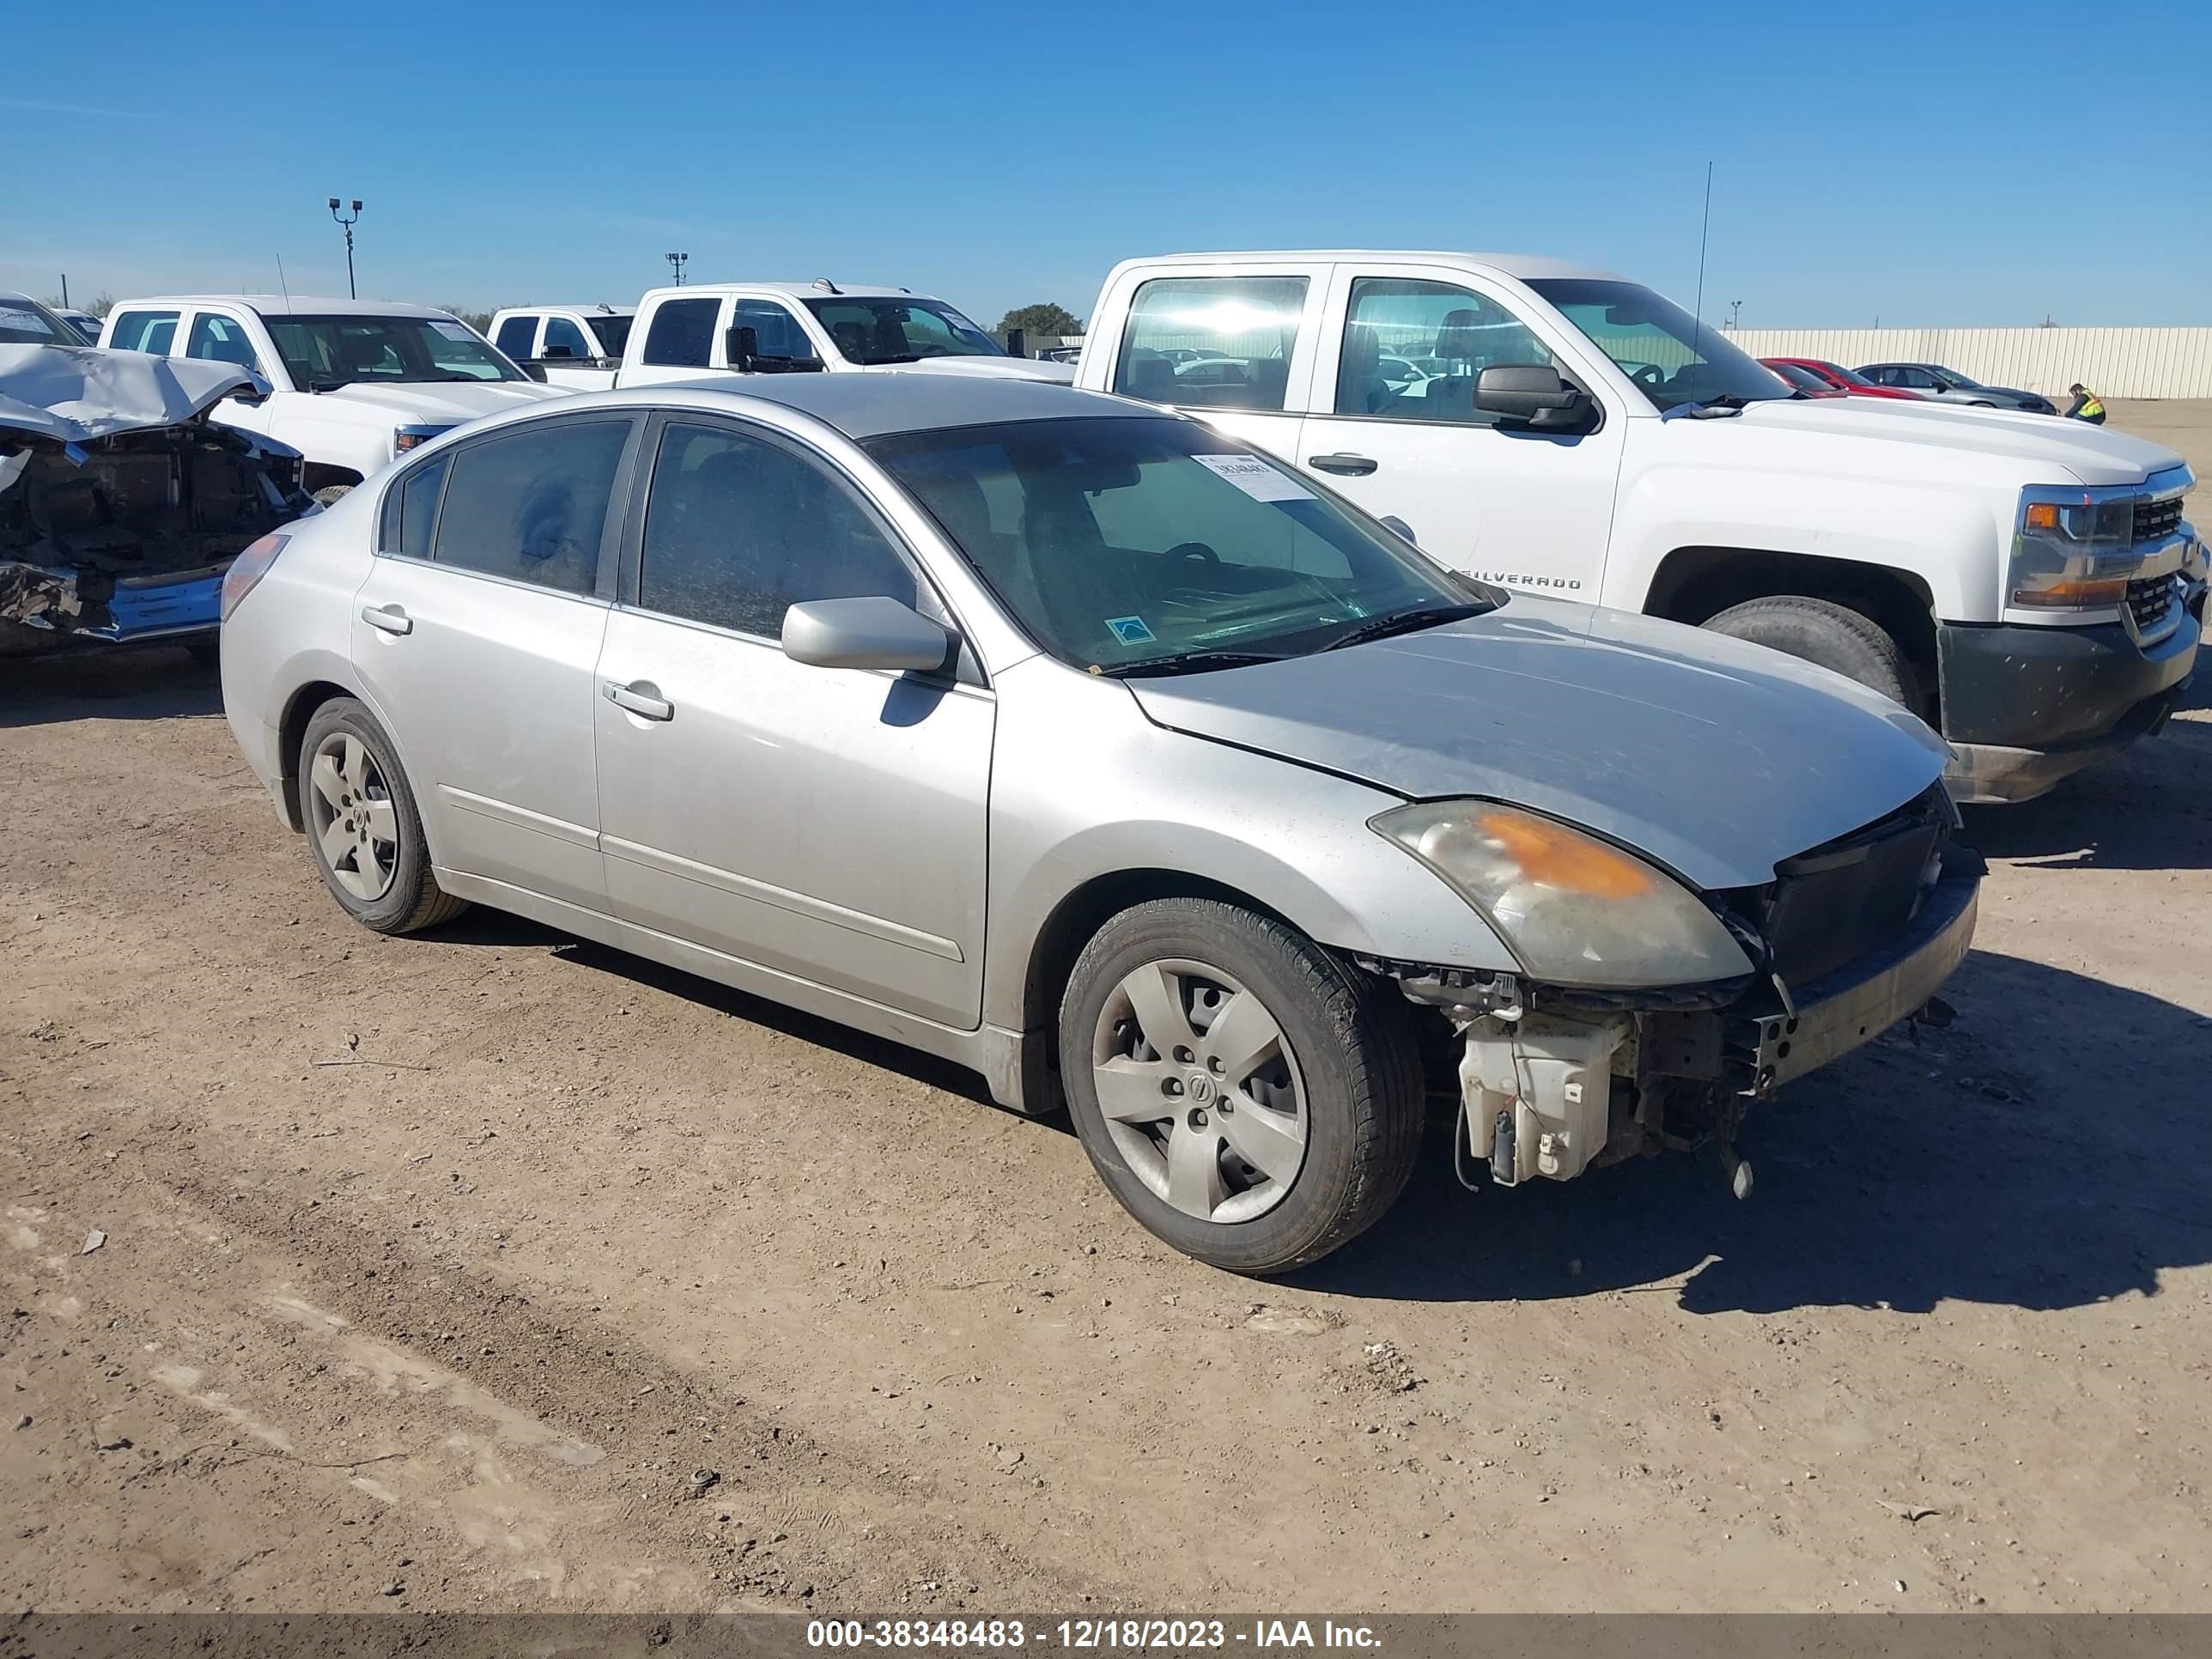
2058, 540
1573, 909
405, 438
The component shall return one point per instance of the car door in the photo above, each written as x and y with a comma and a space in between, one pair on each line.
477, 633
679, 340
222, 337
1525, 508
825, 824
1235, 349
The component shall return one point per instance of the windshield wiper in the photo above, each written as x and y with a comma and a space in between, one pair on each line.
1405, 621
1196, 662
326, 385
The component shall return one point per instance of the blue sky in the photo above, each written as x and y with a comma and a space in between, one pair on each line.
1960, 164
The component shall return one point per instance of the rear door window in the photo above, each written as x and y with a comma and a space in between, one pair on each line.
516, 336
144, 330
532, 505
682, 334
1212, 341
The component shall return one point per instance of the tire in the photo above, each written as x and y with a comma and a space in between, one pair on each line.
1830, 636
1334, 1110
206, 649
331, 495
367, 807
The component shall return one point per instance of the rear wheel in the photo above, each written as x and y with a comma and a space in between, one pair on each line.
206, 649
1832, 637
362, 828
1247, 1096
331, 495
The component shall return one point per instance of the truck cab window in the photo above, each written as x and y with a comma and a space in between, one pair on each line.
564, 338
1413, 350
515, 336
1212, 341
145, 330
682, 334
775, 330
221, 339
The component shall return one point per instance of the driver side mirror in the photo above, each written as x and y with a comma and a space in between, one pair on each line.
742, 345
533, 370
553, 351
1533, 396
877, 632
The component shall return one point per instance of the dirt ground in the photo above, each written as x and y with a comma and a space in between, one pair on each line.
488, 1270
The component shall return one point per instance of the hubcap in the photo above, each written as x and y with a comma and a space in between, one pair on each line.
1200, 1092
351, 817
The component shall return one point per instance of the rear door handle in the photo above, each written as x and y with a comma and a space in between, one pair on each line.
389, 618
1349, 467
643, 698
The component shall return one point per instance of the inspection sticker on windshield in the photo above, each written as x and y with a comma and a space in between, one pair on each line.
1256, 478
1130, 630
453, 331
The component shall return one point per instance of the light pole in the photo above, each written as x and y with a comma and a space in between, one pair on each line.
1736, 314
347, 225
677, 260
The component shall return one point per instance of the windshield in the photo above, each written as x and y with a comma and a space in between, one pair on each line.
1951, 377
323, 352
1804, 379
1127, 544
614, 334
901, 331
24, 321
1672, 359
1847, 376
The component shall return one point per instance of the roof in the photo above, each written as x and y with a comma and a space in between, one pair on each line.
872, 405
594, 309
795, 290
1521, 265
279, 304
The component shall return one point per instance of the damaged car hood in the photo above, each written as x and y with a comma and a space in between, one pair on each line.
77, 393
1715, 757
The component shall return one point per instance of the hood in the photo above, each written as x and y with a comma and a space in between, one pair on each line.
2034, 448
1714, 757
1002, 369
77, 393
437, 403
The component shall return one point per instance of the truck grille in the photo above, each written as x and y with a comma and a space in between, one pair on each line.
1848, 897
2148, 602
2156, 520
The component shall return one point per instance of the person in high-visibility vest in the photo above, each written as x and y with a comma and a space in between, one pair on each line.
2086, 406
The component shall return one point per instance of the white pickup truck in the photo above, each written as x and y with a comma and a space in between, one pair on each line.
578, 347
702, 330
2024, 584
353, 383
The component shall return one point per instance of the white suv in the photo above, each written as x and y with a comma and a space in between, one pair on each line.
353, 383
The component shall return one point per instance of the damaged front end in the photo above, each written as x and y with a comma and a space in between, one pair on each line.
1847, 940
116, 528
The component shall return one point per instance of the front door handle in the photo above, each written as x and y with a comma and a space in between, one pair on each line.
643, 698
1349, 467
389, 617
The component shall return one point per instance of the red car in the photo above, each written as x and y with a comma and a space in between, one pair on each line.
1840, 381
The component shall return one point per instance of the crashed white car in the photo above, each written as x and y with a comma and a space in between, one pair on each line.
352, 383
122, 503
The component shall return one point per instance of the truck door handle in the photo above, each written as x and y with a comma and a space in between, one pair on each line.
391, 618
643, 698
1349, 467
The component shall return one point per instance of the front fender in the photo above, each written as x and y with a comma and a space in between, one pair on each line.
1293, 839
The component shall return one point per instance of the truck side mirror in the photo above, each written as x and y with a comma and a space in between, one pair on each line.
553, 351
1531, 395
742, 345
1018, 342
533, 370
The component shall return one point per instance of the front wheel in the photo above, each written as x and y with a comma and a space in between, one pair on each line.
1251, 1099
1830, 636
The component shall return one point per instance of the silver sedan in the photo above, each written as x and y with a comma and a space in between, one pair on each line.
1089, 748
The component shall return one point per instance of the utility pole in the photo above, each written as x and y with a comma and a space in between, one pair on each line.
347, 225
678, 261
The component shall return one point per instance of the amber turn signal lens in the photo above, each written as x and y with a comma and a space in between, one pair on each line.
2073, 596
2042, 515
1554, 856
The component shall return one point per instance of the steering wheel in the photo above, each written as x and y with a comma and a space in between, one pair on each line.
1650, 377
1198, 551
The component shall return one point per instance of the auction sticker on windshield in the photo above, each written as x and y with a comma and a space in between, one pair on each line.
453, 331
1256, 478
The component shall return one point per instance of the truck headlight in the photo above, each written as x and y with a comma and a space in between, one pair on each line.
1573, 909
405, 438
2058, 540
